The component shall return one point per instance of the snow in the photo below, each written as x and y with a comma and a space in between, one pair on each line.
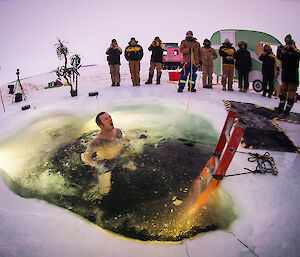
268, 207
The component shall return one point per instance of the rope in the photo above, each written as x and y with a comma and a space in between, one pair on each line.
265, 164
244, 244
191, 75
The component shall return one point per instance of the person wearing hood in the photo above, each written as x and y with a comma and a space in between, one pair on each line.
113, 58
190, 49
269, 65
134, 54
208, 54
243, 65
289, 56
227, 51
157, 48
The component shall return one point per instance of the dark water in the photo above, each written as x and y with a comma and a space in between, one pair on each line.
149, 203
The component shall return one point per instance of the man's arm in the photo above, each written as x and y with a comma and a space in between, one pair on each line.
86, 157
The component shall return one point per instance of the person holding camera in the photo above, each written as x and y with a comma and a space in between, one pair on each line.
157, 48
134, 54
190, 49
227, 52
269, 65
289, 56
113, 58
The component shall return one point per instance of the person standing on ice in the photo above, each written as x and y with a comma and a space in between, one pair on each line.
243, 65
190, 49
134, 54
269, 65
227, 51
208, 54
157, 48
108, 147
289, 55
113, 58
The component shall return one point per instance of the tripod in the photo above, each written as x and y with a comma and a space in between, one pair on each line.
17, 97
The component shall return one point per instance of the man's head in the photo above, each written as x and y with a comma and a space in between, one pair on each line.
288, 39
206, 42
189, 34
267, 48
132, 41
157, 39
103, 120
227, 41
114, 42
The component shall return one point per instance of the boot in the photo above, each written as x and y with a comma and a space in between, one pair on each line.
224, 88
288, 107
118, 84
180, 89
230, 88
113, 84
280, 108
207, 86
192, 90
149, 81
158, 78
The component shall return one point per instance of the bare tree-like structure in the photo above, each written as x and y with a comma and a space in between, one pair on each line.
70, 74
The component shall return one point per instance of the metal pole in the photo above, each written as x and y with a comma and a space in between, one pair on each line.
2, 100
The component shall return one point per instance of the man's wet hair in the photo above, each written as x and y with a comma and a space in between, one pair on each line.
98, 120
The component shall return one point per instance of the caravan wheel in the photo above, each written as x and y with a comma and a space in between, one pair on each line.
257, 85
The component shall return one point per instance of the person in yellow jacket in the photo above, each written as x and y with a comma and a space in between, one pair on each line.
134, 54
227, 52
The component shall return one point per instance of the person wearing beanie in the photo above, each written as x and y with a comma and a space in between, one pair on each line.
269, 65
227, 52
113, 58
289, 56
243, 65
208, 54
190, 49
134, 54
157, 48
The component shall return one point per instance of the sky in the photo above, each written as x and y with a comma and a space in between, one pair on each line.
30, 28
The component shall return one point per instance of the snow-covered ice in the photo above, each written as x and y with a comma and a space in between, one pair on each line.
269, 214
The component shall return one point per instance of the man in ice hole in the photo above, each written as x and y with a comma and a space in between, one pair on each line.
108, 146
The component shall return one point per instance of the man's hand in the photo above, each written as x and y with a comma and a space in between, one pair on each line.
101, 169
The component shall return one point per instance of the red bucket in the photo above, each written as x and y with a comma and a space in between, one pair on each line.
174, 75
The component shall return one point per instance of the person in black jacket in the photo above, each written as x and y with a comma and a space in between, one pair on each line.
157, 47
113, 58
243, 65
269, 65
289, 55
134, 54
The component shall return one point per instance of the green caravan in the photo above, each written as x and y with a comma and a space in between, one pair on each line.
254, 39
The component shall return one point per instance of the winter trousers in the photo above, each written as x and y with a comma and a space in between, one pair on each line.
268, 84
228, 72
134, 67
115, 72
289, 88
153, 65
243, 80
185, 72
207, 73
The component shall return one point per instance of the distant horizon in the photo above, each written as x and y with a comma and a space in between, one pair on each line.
89, 27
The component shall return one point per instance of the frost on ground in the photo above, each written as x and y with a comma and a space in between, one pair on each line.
268, 214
